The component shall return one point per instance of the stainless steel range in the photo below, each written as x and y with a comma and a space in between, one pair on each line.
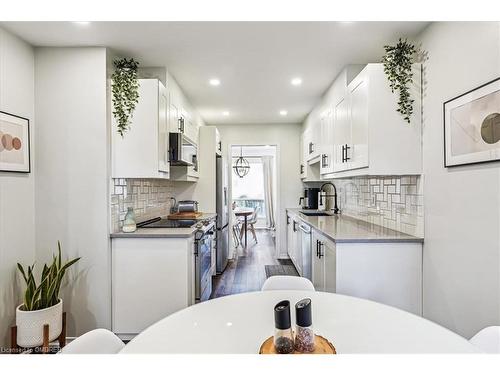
204, 240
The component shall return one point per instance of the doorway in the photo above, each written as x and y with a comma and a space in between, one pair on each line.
253, 189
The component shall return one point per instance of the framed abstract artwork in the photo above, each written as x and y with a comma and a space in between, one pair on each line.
472, 126
14, 143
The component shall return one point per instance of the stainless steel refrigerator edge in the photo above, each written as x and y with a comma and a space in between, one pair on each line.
222, 244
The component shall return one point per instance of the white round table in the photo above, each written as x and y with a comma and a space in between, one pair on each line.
241, 322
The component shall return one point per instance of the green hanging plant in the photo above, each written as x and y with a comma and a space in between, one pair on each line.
398, 62
124, 88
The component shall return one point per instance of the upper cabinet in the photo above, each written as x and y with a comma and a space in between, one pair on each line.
361, 131
143, 150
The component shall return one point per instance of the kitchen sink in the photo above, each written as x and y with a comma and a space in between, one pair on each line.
314, 213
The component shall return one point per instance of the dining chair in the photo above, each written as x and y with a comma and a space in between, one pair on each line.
487, 340
236, 229
251, 221
283, 282
98, 341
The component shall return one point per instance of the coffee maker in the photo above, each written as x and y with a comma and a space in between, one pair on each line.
310, 199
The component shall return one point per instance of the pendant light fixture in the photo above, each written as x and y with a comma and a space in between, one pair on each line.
241, 166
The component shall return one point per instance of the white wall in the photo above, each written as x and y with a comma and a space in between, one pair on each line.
287, 137
17, 198
462, 204
72, 189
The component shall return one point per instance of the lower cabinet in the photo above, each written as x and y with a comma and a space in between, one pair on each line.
385, 272
151, 278
294, 243
324, 268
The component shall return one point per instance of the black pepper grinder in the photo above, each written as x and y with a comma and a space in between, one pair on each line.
283, 335
304, 334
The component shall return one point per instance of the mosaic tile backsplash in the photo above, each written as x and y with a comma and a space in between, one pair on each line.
395, 202
148, 197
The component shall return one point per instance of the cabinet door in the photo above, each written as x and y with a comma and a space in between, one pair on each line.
341, 134
327, 146
318, 265
163, 165
303, 155
328, 252
289, 235
358, 153
174, 114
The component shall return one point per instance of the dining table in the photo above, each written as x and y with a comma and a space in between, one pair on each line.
240, 323
244, 212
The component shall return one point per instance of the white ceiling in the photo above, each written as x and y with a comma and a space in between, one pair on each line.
255, 61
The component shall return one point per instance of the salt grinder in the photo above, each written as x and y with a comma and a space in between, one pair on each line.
304, 334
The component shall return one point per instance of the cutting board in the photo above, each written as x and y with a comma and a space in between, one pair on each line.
322, 346
185, 215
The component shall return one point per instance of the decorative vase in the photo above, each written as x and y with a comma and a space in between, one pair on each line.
129, 222
30, 325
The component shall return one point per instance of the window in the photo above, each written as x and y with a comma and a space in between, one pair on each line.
249, 190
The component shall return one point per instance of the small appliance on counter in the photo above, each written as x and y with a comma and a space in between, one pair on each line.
187, 206
185, 210
310, 199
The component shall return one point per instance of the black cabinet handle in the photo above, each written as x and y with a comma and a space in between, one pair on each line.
220, 146
320, 254
288, 220
317, 248
347, 148
301, 168
343, 154
294, 228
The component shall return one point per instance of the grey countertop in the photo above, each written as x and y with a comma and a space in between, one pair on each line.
343, 228
162, 232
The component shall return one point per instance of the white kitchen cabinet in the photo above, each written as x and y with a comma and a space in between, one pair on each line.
303, 169
358, 96
323, 263
151, 279
341, 133
143, 150
370, 136
327, 143
386, 272
294, 247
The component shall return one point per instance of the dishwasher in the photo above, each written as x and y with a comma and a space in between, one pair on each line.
305, 256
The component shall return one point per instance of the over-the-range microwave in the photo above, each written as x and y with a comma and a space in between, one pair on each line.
182, 150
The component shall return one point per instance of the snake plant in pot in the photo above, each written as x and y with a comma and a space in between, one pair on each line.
42, 304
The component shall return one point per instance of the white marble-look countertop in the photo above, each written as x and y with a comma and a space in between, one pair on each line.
163, 232
344, 228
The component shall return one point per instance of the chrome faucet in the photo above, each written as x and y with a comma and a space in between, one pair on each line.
323, 194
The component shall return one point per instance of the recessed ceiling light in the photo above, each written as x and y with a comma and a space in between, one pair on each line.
296, 81
214, 82
83, 23
225, 113
283, 112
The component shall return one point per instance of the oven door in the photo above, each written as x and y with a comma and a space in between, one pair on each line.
203, 268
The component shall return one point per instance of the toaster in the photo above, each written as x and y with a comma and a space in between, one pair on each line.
187, 206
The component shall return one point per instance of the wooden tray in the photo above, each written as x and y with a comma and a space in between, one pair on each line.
322, 346
185, 215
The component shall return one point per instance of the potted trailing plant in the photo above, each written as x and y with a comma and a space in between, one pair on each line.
41, 304
398, 62
124, 90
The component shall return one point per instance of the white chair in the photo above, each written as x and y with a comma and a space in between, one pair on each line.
487, 340
98, 341
288, 283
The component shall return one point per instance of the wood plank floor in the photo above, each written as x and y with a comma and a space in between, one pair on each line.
247, 273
